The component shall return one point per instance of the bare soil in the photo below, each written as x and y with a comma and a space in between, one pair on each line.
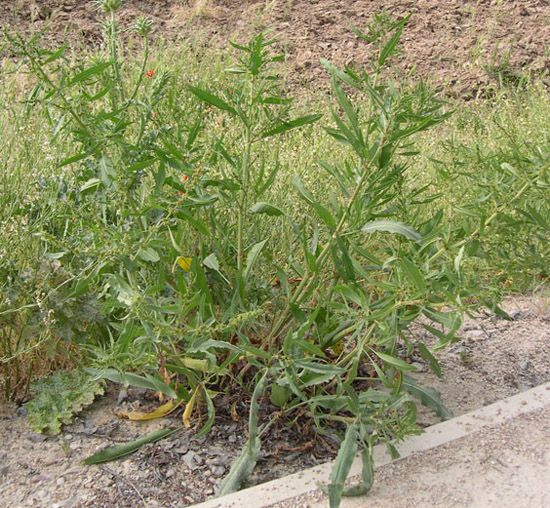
463, 46
494, 359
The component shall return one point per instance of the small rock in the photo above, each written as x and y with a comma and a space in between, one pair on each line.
60, 481
218, 470
22, 411
192, 460
418, 366
524, 366
515, 314
36, 438
476, 333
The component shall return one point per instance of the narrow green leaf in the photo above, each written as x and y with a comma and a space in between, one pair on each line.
84, 75
307, 196
256, 55
241, 468
341, 75
342, 465
244, 465
117, 451
292, 124
319, 368
140, 165
211, 99
92, 183
253, 255
389, 48
413, 274
391, 227
394, 362
148, 382
211, 414
367, 477
427, 355
349, 110
266, 208
73, 158
56, 55
429, 396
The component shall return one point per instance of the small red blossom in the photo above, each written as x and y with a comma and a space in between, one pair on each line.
150, 74
230, 90
186, 177
180, 193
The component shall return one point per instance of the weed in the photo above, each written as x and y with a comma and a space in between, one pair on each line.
202, 228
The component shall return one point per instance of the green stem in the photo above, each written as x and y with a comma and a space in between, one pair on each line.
38, 66
245, 173
310, 278
141, 73
114, 57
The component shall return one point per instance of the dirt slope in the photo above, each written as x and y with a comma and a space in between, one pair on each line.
463, 44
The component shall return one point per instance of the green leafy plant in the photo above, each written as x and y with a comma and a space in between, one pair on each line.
175, 233
59, 397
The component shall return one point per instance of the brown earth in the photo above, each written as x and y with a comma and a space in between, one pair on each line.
463, 45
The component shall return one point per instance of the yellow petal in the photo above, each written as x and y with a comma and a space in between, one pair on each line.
161, 411
185, 263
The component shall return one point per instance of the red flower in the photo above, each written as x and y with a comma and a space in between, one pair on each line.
186, 177
180, 193
150, 74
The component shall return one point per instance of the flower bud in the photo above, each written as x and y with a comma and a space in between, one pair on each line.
142, 26
108, 6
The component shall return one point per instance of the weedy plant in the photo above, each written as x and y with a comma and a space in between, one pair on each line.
175, 233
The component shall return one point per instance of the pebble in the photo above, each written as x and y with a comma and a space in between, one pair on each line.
36, 438
476, 333
122, 396
22, 411
525, 365
218, 470
192, 460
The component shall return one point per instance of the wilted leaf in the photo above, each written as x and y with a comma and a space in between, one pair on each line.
160, 412
184, 263
186, 417
117, 451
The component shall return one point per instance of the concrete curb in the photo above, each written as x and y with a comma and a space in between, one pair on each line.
264, 495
